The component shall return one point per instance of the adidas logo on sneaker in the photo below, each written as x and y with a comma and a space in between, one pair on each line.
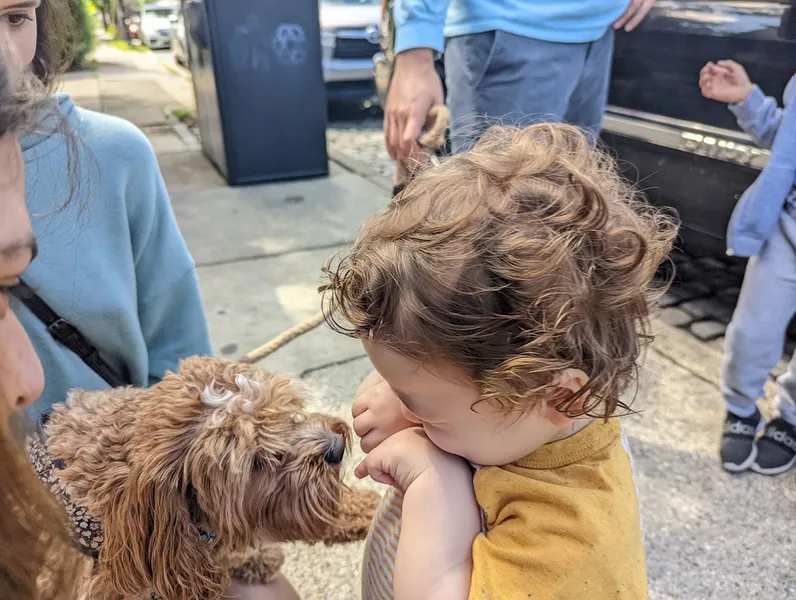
782, 437
739, 428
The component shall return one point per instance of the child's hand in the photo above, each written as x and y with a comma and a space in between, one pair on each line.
377, 412
406, 456
725, 81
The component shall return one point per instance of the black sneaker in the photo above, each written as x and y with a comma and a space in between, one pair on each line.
776, 448
738, 448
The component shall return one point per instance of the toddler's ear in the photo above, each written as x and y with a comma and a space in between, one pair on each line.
570, 381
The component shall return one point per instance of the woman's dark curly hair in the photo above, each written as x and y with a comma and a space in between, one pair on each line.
56, 40
521, 258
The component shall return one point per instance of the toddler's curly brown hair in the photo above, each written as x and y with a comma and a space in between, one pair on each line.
514, 261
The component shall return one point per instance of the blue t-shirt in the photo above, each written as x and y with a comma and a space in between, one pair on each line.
113, 261
426, 23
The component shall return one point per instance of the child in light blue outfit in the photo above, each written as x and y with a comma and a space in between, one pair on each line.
763, 227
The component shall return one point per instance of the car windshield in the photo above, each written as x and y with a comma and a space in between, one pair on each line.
163, 13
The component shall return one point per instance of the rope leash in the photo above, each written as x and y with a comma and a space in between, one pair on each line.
282, 339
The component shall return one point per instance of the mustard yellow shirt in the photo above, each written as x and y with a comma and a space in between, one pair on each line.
560, 524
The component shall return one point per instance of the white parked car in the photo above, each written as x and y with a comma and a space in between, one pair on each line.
155, 26
349, 40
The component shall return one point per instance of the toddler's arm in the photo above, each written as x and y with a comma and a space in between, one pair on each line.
440, 517
439, 522
757, 114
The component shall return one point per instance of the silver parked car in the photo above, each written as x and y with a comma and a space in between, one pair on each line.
155, 26
349, 40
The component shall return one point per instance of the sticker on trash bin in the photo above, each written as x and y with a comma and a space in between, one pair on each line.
246, 48
290, 44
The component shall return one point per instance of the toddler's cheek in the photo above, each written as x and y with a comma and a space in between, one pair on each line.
444, 441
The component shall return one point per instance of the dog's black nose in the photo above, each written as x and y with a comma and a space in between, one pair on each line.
336, 450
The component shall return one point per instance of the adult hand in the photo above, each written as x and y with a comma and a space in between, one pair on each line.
408, 455
377, 412
414, 89
725, 81
634, 15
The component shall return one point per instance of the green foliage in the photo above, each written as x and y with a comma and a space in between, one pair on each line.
185, 115
121, 44
83, 40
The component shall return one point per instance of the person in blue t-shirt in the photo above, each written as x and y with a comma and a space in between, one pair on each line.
512, 61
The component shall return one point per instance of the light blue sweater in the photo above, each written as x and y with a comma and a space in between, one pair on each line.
756, 215
423, 23
113, 262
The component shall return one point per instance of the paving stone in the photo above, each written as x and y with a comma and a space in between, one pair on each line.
676, 317
708, 330
708, 308
739, 268
699, 309
720, 280
722, 312
710, 263
688, 271
683, 293
678, 256
729, 295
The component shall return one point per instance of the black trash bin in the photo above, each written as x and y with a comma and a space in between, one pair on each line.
260, 95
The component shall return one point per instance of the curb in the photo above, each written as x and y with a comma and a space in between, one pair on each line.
182, 131
176, 70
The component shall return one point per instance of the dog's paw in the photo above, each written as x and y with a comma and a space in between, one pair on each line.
357, 508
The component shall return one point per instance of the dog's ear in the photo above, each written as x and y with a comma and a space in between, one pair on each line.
151, 544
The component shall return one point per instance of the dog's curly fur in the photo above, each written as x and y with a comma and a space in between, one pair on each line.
218, 447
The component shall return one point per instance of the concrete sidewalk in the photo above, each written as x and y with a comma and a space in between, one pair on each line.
135, 85
259, 251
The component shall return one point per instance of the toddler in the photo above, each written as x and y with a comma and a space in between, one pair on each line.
503, 299
763, 226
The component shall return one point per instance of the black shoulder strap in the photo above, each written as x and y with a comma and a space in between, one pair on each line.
66, 333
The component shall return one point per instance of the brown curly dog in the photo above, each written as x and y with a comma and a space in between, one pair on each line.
176, 489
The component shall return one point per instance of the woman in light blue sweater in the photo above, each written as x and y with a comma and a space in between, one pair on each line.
111, 260
763, 227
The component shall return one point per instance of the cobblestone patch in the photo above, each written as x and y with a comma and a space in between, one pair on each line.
704, 294
362, 141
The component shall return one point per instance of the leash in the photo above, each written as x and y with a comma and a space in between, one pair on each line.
282, 339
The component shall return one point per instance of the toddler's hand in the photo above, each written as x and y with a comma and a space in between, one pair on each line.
377, 412
725, 81
404, 457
